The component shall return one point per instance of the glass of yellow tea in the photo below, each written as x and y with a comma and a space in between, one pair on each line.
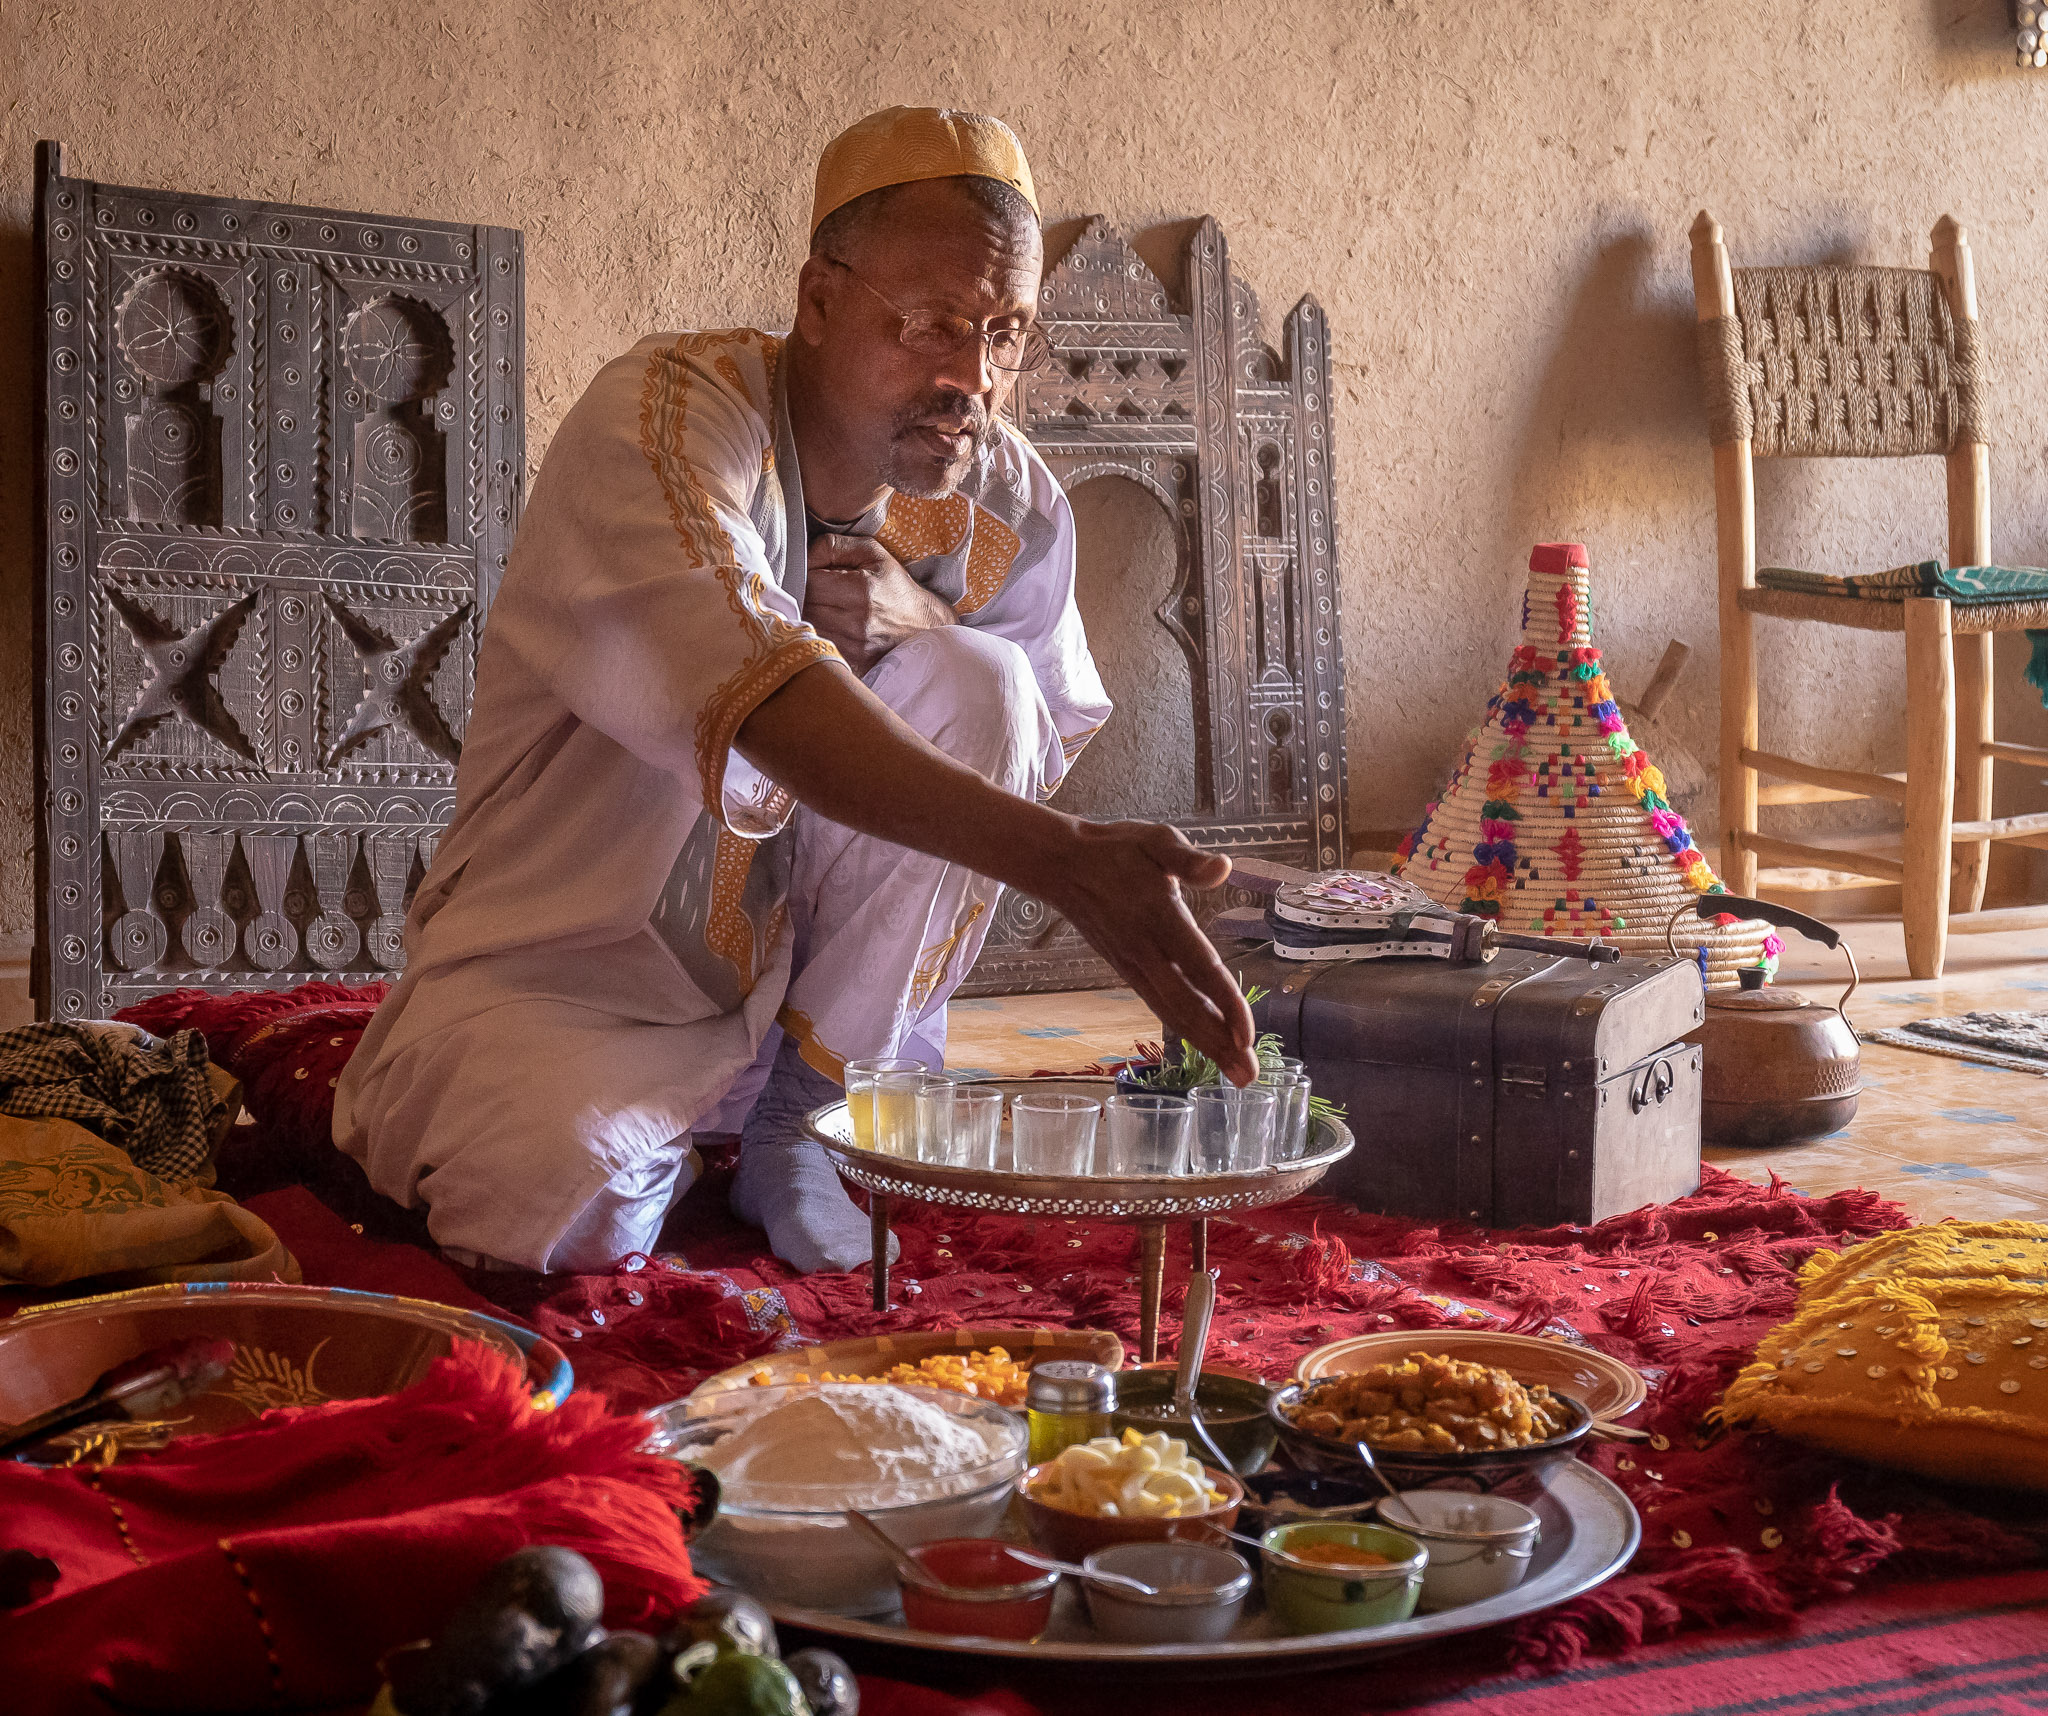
881, 1101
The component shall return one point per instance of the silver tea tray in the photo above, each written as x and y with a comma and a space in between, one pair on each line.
1590, 1531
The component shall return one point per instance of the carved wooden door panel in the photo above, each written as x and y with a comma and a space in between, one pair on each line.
282, 455
1232, 439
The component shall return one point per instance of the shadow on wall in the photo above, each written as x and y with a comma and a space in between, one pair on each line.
1126, 563
1617, 412
1615, 446
1143, 761
1972, 40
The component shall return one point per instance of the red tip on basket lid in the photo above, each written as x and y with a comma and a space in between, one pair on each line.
1557, 556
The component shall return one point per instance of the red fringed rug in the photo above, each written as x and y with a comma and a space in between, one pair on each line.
1736, 1527
287, 1046
1962, 1647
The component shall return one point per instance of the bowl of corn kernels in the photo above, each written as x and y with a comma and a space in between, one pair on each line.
991, 1364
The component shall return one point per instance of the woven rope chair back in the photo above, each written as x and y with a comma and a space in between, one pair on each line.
1830, 362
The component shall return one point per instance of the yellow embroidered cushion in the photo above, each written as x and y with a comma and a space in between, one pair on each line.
1925, 1349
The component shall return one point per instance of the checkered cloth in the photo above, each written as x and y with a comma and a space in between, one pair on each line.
148, 1096
1963, 584
1922, 578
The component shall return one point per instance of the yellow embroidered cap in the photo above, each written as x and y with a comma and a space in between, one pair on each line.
901, 145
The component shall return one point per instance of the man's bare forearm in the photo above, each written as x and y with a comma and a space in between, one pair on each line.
845, 754
829, 740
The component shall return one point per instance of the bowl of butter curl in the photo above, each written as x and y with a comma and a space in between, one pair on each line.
1132, 1488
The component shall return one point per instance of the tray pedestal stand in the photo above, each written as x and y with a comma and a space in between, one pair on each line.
1149, 1204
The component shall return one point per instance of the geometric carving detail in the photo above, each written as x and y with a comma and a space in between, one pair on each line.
181, 667
173, 330
137, 940
208, 931
390, 859
332, 938
396, 695
271, 939
248, 408
1234, 437
399, 351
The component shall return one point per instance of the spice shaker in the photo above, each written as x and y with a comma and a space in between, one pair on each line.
1067, 1401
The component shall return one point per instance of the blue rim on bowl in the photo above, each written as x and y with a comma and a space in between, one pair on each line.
539, 1352
547, 1366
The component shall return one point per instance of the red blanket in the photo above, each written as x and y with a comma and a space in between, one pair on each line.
1736, 1528
269, 1569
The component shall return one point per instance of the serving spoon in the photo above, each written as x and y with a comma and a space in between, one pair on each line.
916, 1573
1195, 1315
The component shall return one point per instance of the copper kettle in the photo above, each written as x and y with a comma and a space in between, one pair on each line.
1778, 1068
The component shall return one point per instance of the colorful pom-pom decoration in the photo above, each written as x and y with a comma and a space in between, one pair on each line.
1555, 821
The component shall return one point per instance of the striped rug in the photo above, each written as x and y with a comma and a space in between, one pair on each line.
1961, 1647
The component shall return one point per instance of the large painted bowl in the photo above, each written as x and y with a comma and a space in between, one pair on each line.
294, 1346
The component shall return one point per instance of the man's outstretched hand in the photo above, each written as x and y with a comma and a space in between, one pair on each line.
827, 739
1121, 888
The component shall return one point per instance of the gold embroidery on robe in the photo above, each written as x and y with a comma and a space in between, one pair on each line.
989, 559
932, 963
816, 1055
914, 529
728, 931
782, 649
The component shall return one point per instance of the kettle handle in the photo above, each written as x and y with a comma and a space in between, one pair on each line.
1709, 906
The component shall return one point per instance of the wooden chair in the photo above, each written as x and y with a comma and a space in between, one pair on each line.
1834, 362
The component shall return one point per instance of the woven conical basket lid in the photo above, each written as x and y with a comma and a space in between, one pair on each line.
1554, 821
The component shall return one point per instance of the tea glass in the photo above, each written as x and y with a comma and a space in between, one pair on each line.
1290, 1125
1233, 1128
1052, 1134
958, 1124
881, 1101
1148, 1133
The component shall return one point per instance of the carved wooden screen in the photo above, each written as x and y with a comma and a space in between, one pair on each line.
282, 458
1233, 441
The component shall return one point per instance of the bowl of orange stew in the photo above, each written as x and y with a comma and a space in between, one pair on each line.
1433, 1422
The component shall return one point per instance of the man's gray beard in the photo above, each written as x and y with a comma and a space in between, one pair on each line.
900, 473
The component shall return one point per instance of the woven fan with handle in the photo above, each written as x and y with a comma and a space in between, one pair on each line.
1366, 914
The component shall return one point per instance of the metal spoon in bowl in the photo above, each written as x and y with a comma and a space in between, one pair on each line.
900, 1558
1379, 1477
913, 1570
1194, 1339
1100, 1575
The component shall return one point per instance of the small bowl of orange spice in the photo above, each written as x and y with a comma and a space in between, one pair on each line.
1328, 1576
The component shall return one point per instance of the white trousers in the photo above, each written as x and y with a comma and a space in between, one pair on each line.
544, 1134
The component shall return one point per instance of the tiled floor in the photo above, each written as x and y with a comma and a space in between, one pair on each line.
1943, 1137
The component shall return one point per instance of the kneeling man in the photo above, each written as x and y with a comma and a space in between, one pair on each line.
783, 666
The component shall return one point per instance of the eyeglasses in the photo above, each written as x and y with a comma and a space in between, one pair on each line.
933, 333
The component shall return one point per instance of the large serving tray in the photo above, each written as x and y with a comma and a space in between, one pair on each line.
1590, 1531
1104, 1197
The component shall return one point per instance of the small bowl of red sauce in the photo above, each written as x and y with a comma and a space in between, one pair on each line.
983, 1589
